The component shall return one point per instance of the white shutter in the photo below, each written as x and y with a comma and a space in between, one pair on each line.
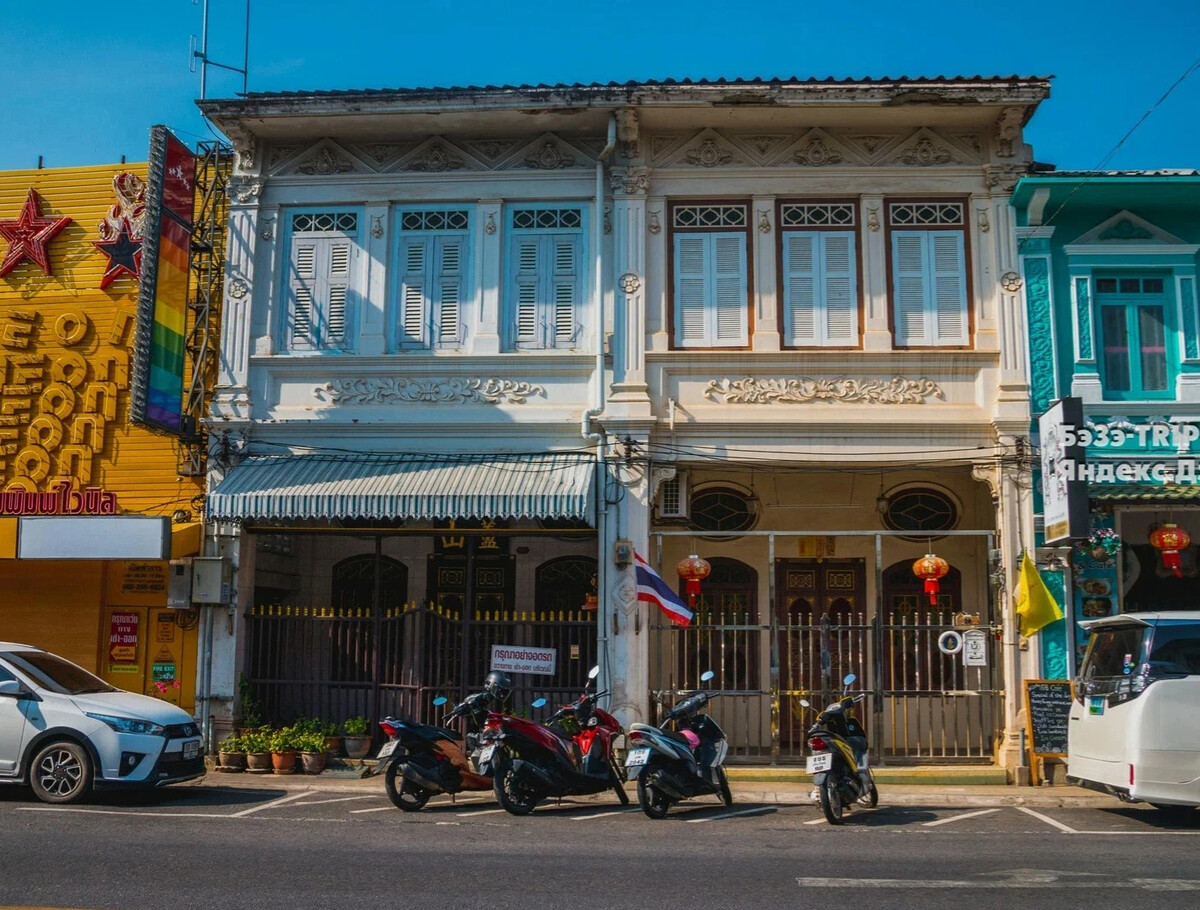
840, 287
450, 285
729, 283
565, 279
800, 284
948, 267
336, 292
302, 287
911, 285
527, 321
413, 292
691, 279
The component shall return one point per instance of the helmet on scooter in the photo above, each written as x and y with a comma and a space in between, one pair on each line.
498, 685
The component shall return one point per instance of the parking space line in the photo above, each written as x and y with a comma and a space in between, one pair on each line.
578, 818
271, 805
712, 818
479, 812
340, 799
1066, 829
376, 809
816, 821
120, 812
957, 818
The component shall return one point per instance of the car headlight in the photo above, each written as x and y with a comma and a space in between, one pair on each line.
128, 724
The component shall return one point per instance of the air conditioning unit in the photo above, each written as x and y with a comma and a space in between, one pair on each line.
673, 497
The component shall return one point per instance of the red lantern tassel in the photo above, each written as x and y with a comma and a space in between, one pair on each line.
931, 588
693, 589
1171, 561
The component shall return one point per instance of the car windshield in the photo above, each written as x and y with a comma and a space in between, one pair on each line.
54, 673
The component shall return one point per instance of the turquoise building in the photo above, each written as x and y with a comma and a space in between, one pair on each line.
1109, 261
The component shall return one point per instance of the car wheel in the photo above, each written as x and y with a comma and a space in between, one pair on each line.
61, 772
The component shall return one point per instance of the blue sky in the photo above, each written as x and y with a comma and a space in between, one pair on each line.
83, 82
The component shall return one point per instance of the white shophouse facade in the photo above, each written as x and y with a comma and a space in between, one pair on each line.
786, 311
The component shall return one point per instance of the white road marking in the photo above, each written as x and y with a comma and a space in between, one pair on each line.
120, 812
340, 799
479, 812
712, 818
1067, 829
271, 805
816, 821
1017, 882
955, 818
469, 799
579, 818
376, 809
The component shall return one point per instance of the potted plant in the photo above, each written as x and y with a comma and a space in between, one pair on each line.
357, 742
249, 707
312, 752
231, 754
285, 743
333, 741
257, 744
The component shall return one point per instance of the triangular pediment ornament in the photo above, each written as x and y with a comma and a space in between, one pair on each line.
872, 146
761, 147
818, 148
706, 149
436, 155
664, 145
548, 152
325, 159
925, 148
491, 150
385, 154
1126, 227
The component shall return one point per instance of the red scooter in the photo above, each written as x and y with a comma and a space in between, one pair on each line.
570, 755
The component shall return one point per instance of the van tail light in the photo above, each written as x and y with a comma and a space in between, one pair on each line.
818, 744
388, 728
1131, 774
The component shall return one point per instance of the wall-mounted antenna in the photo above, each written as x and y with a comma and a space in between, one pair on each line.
201, 53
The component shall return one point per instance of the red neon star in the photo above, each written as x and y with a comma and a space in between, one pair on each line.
28, 235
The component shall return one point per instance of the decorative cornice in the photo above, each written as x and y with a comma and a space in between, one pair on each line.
817, 153
390, 390
549, 158
326, 162
924, 153
708, 154
243, 189
436, 158
630, 181
896, 390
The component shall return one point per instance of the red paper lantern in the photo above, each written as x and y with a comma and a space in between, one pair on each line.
1169, 539
931, 568
693, 570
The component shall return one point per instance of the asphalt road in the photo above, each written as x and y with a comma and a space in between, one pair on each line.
218, 847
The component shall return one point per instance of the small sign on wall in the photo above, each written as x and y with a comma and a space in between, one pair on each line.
123, 643
519, 659
974, 650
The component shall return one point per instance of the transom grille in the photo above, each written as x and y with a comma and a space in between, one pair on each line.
714, 216
455, 220
539, 219
817, 215
926, 214
323, 222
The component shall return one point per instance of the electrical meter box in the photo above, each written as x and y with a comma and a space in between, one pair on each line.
179, 583
211, 580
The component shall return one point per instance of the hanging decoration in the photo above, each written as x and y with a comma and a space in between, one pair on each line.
28, 234
1169, 539
693, 570
1103, 544
121, 230
931, 568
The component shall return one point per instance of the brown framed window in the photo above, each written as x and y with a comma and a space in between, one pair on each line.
930, 282
710, 265
819, 273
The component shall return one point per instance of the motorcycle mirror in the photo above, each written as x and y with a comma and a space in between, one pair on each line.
804, 701
440, 700
707, 675
850, 677
538, 703
594, 672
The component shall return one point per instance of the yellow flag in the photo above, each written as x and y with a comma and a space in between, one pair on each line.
1036, 606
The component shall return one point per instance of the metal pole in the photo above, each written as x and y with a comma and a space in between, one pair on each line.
204, 52
376, 627
773, 646
246, 52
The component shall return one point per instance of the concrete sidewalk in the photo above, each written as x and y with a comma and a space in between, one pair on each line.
782, 792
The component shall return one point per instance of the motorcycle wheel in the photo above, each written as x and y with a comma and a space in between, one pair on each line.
618, 786
726, 793
513, 794
408, 796
653, 801
831, 801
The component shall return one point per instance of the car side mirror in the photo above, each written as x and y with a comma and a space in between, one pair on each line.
14, 689
538, 703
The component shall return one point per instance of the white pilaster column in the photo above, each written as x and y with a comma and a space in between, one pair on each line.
877, 333
372, 311
764, 236
243, 293
629, 396
489, 274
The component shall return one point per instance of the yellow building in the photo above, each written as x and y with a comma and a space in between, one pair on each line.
78, 480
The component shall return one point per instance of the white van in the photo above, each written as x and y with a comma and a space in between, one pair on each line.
1134, 726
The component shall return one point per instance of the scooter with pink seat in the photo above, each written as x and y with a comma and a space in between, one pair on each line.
674, 765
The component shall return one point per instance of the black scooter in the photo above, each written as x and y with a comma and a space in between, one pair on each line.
676, 765
839, 763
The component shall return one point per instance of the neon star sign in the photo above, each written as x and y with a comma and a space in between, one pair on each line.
29, 234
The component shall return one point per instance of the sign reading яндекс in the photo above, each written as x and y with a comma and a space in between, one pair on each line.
1064, 496
519, 659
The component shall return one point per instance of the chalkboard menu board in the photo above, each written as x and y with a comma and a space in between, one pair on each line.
1047, 706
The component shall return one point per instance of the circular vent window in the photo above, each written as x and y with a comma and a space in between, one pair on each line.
721, 509
923, 511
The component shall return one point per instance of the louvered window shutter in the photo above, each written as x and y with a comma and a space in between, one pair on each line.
338, 289
691, 279
565, 279
450, 286
840, 288
729, 284
911, 281
413, 284
800, 289
303, 287
528, 322
948, 267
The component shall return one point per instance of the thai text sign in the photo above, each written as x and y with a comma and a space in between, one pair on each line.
62, 500
123, 643
519, 659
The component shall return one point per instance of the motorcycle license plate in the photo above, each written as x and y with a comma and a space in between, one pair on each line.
485, 754
637, 757
822, 761
387, 749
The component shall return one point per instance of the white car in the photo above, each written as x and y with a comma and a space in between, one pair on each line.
64, 731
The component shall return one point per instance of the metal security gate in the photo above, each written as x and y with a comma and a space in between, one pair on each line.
335, 663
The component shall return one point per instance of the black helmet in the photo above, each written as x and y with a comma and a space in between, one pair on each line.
498, 684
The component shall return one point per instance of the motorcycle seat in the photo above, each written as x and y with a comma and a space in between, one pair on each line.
676, 737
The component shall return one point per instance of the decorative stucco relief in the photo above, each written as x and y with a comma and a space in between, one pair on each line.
896, 390
326, 162
390, 390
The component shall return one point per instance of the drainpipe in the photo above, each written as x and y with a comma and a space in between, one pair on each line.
598, 243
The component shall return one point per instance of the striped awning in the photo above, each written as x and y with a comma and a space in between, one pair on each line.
323, 486
1162, 492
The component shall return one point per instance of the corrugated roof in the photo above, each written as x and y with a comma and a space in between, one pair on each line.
1161, 172
1167, 492
633, 85
406, 486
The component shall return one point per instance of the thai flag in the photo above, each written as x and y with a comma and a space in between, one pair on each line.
653, 590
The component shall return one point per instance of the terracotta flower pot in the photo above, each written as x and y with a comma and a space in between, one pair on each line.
284, 762
357, 746
333, 747
232, 761
258, 761
314, 762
